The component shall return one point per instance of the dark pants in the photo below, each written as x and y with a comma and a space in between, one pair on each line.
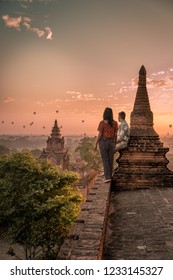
107, 148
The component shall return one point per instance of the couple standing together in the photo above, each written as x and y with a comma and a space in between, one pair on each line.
111, 139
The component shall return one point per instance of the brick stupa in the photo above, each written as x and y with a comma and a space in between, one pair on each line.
143, 164
55, 151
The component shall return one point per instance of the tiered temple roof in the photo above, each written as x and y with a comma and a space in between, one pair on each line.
55, 151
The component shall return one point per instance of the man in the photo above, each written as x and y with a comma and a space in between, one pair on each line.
123, 132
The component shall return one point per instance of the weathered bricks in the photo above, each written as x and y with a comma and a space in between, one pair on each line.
86, 238
140, 225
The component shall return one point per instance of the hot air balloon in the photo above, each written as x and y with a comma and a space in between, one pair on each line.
34, 113
23, 126
57, 111
170, 125
43, 127
12, 122
83, 121
2, 121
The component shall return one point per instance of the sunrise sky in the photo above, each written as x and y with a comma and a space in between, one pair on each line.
69, 59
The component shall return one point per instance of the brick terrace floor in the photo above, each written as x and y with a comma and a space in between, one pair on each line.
140, 225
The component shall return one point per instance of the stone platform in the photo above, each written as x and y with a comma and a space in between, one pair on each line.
140, 225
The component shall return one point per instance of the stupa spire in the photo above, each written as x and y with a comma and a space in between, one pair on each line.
55, 124
142, 70
55, 130
142, 100
141, 121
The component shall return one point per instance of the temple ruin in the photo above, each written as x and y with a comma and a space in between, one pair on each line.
143, 164
55, 150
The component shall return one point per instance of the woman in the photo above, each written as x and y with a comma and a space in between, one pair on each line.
107, 138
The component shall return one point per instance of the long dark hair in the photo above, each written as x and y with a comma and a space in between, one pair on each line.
108, 116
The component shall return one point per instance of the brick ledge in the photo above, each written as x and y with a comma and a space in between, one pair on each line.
85, 241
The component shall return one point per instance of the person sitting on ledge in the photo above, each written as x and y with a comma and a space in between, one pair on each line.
123, 133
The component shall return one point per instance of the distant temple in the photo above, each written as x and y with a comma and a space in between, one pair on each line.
55, 151
143, 164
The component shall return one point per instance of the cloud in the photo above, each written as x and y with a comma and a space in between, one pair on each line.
158, 73
25, 1
163, 113
170, 78
12, 22
156, 83
24, 6
49, 33
111, 84
76, 95
168, 89
30, 1
123, 89
161, 72
20, 1
27, 23
47, 1
165, 84
73, 92
8, 99
49, 102
134, 82
40, 33
87, 97
41, 104
27, 19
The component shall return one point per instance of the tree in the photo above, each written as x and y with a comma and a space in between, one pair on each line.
38, 203
88, 154
4, 150
36, 153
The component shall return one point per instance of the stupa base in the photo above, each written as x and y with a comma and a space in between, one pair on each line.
132, 180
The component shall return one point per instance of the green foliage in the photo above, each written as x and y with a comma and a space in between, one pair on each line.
90, 157
38, 203
36, 153
4, 150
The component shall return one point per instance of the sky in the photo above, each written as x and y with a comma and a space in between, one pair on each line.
69, 59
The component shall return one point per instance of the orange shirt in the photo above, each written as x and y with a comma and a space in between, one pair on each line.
107, 130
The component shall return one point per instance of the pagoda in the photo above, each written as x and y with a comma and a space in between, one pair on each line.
55, 151
143, 164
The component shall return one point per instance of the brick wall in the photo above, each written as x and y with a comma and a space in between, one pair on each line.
85, 241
